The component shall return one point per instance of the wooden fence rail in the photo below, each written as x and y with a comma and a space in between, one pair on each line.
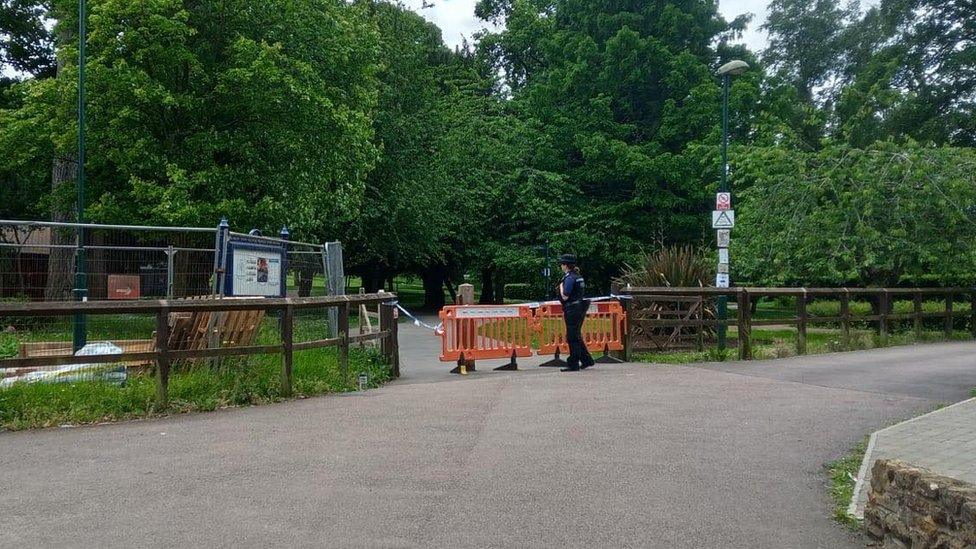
163, 356
883, 299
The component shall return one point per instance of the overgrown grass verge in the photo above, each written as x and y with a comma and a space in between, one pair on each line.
687, 357
843, 477
781, 343
238, 382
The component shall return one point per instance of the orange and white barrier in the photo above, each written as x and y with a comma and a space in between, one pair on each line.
472, 332
603, 329
485, 331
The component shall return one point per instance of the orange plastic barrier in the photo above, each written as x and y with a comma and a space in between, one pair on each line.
603, 329
486, 331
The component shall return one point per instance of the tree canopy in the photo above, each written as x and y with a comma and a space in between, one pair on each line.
592, 126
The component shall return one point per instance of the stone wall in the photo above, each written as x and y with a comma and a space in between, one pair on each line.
912, 507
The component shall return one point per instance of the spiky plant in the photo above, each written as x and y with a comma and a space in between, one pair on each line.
671, 266
674, 266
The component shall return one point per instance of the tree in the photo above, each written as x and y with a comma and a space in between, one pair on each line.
807, 42
911, 74
202, 109
400, 225
887, 215
626, 103
26, 43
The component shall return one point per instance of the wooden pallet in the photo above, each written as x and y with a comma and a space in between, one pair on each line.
188, 331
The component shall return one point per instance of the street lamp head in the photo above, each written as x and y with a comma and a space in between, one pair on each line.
733, 68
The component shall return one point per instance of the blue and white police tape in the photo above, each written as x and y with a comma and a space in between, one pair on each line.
439, 329
417, 322
537, 304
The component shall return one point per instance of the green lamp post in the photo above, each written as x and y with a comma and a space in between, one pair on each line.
726, 72
81, 276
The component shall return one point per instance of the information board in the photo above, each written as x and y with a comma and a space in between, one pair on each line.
255, 269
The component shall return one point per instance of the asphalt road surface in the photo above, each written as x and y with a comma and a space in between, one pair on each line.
728, 455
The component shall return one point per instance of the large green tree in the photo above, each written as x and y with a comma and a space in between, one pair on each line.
625, 96
891, 214
199, 109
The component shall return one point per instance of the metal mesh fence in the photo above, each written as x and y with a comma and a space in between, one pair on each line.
38, 261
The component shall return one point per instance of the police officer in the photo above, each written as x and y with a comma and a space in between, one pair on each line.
571, 294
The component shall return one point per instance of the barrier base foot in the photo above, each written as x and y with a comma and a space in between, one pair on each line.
510, 367
463, 366
607, 358
556, 362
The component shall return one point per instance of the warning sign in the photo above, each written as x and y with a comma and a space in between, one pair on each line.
723, 219
724, 237
723, 201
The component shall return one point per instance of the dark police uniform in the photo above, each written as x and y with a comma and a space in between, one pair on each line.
574, 313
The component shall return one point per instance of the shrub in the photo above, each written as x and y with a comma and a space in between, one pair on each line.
678, 266
521, 291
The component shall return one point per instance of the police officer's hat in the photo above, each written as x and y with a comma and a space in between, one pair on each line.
567, 259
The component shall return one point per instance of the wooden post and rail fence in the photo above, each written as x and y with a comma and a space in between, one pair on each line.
163, 356
642, 318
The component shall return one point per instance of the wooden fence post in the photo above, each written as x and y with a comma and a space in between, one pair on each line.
745, 325
949, 298
883, 304
287, 343
162, 359
801, 322
700, 317
390, 346
972, 312
919, 324
845, 317
344, 341
625, 304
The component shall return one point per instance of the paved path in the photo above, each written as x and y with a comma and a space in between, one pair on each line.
623, 456
943, 441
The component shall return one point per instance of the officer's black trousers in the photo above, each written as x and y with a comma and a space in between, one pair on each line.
574, 315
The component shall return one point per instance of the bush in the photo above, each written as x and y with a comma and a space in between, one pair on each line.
522, 292
677, 266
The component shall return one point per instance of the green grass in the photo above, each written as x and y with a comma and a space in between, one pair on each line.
687, 357
781, 343
193, 387
843, 475
775, 309
234, 382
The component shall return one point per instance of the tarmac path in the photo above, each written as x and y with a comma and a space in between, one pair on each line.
631, 455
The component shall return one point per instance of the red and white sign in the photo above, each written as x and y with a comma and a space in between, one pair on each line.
123, 287
723, 201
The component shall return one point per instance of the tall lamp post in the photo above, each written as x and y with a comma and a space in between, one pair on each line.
723, 218
81, 278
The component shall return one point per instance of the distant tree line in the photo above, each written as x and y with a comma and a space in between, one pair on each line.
592, 125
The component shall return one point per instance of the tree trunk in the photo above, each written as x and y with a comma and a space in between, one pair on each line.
372, 280
451, 289
487, 286
60, 264
433, 278
499, 290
